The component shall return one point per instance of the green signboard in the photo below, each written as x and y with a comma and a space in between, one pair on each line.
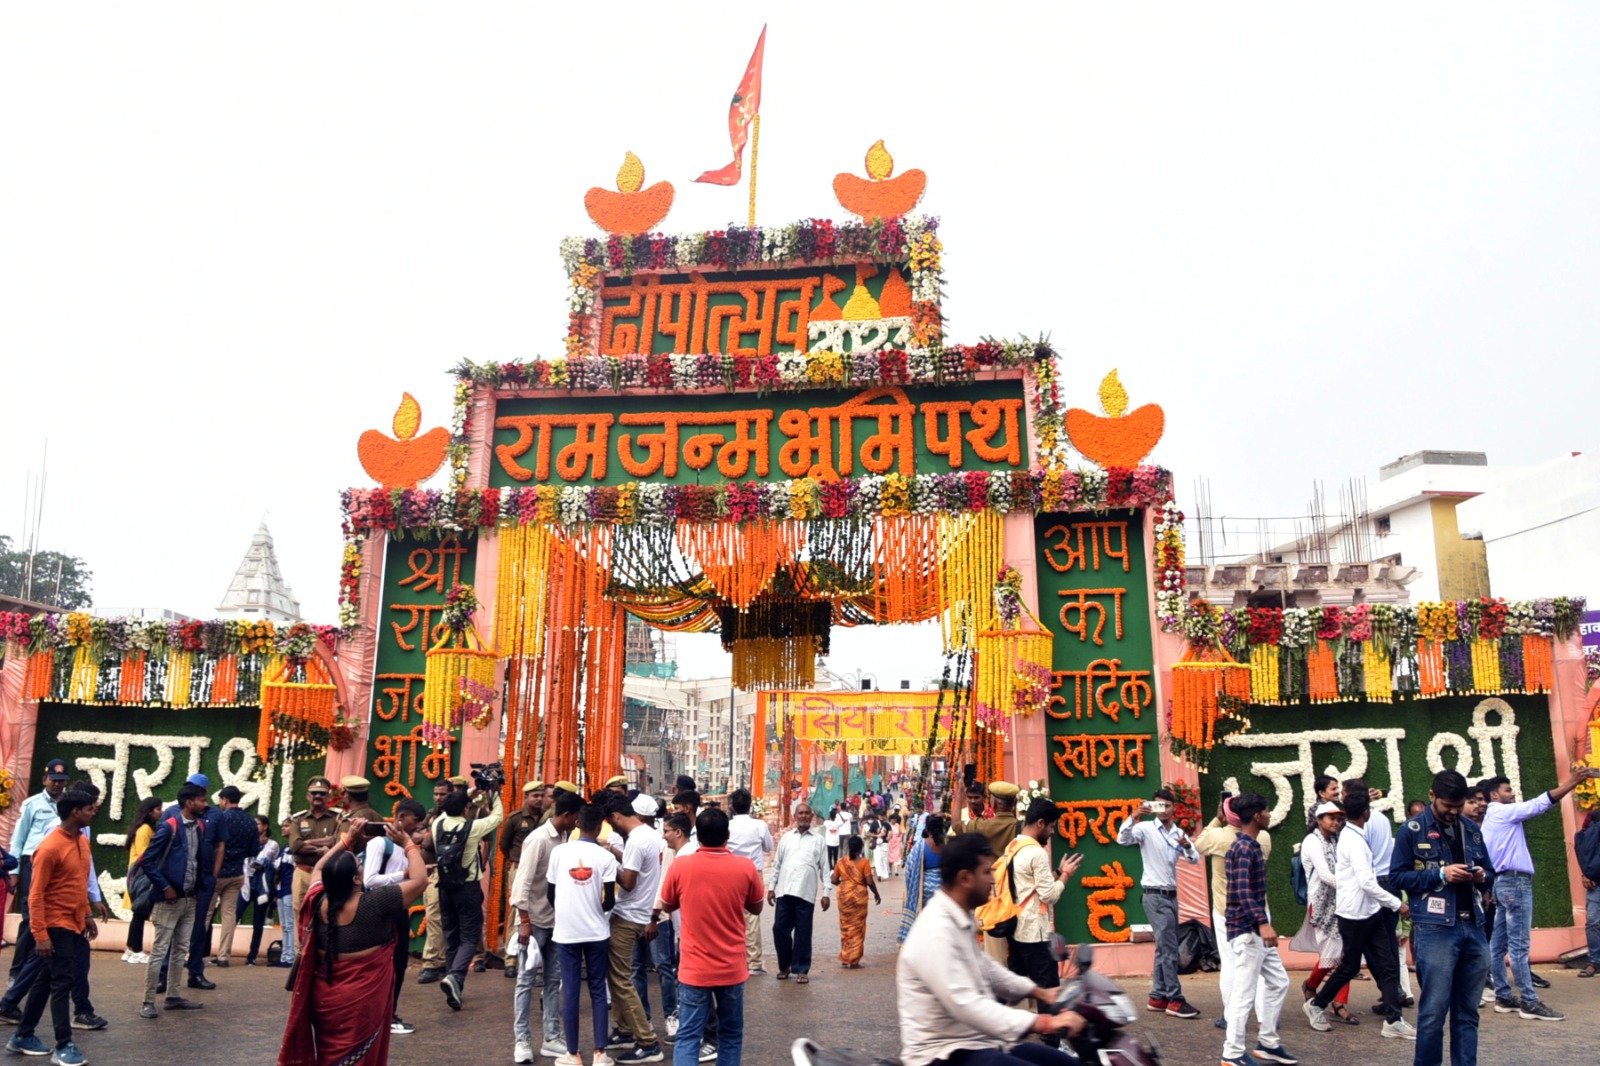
703, 439
130, 753
1398, 748
417, 575
1101, 723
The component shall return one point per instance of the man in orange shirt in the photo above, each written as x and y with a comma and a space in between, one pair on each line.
58, 906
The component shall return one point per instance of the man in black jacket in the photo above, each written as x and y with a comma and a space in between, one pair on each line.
1587, 847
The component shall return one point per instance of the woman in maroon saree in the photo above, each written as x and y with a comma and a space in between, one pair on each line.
343, 982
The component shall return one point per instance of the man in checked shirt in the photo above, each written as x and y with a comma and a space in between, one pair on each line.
1253, 942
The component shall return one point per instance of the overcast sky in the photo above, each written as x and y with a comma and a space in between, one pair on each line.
231, 236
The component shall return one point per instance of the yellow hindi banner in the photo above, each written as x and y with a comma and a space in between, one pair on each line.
885, 723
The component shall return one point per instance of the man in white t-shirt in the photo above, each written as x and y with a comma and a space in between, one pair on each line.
632, 920
750, 837
832, 829
583, 884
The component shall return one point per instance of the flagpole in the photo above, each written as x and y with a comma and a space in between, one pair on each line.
755, 149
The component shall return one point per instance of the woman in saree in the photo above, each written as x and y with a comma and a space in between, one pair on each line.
343, 981
897, 842
922, 872
853, 875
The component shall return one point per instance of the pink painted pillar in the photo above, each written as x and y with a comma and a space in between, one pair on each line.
358, 660
19, 722
1569, 723
1026, 760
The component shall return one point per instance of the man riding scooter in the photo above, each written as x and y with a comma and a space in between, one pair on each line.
948, 1009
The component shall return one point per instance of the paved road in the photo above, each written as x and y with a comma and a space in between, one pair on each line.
244, 1017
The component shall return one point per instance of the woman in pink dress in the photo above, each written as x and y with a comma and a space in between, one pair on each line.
897, 839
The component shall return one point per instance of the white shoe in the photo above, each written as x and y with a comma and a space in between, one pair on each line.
142, 959
127, 954
602, 1059
1400, 1030
568, 1059
1317, 1016
672, 1026
554, 1050
522, 1052
1487, 997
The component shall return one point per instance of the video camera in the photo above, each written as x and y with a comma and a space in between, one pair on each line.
489, 777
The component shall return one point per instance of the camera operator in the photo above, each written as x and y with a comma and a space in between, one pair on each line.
456, 844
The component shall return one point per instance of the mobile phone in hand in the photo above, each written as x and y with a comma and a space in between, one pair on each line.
375, 829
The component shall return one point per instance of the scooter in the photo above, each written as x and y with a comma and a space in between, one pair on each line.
1104, 1007
1106, 1010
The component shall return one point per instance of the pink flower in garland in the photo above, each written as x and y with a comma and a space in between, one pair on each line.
1332, 626
836, 498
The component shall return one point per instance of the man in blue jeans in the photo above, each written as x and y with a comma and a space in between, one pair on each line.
1513, 890
1586, 845
1440, 863
713, 966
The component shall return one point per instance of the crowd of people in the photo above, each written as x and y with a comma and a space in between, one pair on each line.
618, 893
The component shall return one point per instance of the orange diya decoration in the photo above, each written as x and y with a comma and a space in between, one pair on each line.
403, 460
632, 208
1119, 438
878, 195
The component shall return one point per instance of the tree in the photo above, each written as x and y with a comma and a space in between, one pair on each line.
60, 580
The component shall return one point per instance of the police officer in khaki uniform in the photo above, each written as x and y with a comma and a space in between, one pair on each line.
356, 804
618, 784
311, 833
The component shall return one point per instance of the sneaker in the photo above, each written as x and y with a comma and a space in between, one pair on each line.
556, 1049
1505, 1005
452, 991
1156, 1004
1541, 1012
397, 1027
69, 1056
89, 1021
1180, 1008
128, 954
671, 1021
1221, 1023
1317, 1016
1487, 997
142, 959
522, 1052
1263, 1053
1399, 1029
30, 1045
619, 1039
1538, 982
148, 1010
1242, 1060
10, 1015
567, 1059
602, 1059
708, 1053
429, 975
642, 1053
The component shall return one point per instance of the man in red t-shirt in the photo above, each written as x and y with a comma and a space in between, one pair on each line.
711, 949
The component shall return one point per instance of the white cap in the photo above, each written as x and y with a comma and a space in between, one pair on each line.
1328, 807
645, 806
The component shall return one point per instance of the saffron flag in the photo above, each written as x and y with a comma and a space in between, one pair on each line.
746, 104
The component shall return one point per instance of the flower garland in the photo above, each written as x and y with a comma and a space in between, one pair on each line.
1378, 652
81, 658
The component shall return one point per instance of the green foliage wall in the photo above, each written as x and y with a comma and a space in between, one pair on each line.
1421, 721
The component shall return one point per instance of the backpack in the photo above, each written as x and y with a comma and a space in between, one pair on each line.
450, 847
1297, 879
998, 917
